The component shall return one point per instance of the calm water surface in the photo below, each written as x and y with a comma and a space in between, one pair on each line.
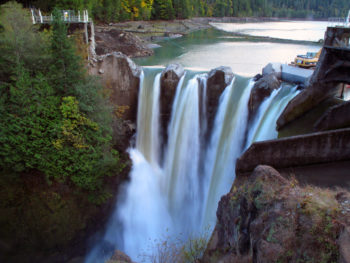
294, 30
211, 48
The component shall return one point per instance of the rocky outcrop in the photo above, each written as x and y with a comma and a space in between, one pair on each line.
169, 80
218, 79
316, 148
261, 90
273, 68
272, 219
121, 77
114, 40
119, 257
335, 118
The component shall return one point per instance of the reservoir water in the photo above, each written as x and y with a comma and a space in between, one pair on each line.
210, 48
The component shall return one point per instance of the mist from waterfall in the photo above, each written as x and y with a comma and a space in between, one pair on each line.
176, 195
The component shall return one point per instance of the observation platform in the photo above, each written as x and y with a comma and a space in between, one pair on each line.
68, 16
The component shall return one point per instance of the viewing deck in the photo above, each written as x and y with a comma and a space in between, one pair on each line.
339, 21
68, 16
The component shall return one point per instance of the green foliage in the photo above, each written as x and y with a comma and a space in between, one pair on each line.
121, 10
55, 120
163, 9
66, 69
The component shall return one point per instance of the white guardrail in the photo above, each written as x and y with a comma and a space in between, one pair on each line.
66, 17
339, 21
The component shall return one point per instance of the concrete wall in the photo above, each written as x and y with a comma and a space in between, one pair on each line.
316, 148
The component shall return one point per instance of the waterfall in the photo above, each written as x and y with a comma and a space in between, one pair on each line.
177, 195
264, 124
147, 140
225, 145
182, 157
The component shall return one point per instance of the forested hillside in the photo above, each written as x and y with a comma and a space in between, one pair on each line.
121, 10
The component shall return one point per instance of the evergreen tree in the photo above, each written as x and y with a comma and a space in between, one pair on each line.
66, 70
182, 8
163, 9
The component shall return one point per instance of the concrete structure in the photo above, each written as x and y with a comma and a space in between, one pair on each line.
332, 69
304, 150
295, 74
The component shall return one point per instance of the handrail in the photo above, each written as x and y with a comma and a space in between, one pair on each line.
339, 21
40, 19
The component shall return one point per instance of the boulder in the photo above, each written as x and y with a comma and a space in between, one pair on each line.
261, 90
273, 68
119, 257
335, 118
169, 80
272, 219
218, 79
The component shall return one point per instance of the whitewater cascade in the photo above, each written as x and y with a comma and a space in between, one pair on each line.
178, 197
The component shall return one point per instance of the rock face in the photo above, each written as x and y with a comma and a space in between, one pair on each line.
335, 118
114, 40
273, 68
119, 257
168, 82
120, 78
261, 90
218, 80
272, 219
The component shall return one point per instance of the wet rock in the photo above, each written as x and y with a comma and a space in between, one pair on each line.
119, 257
218, 79
335, 118
169, 80
273, 68
114, 40
261, 90
257, 77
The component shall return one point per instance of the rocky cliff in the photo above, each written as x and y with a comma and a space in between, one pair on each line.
271, 219
120, 77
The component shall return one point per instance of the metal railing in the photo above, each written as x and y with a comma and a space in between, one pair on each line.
38, 18
339, 21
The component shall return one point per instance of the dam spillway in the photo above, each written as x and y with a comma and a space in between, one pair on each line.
175, 185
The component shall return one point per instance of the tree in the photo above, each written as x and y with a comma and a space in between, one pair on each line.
163, 9
66, 70
20, 42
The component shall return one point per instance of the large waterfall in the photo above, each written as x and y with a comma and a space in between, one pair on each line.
177, 194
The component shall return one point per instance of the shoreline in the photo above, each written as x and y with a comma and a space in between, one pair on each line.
143, 36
